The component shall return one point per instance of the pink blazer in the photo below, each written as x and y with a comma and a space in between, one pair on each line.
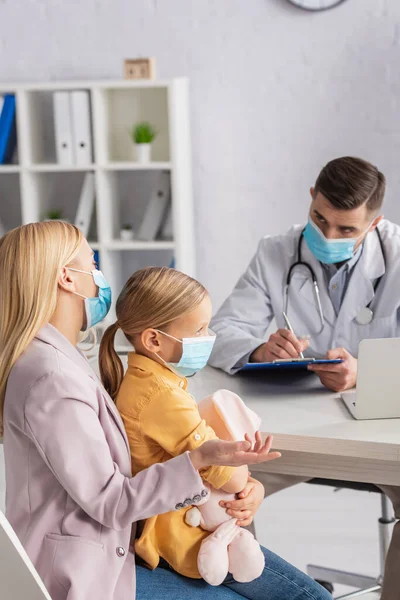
70, 496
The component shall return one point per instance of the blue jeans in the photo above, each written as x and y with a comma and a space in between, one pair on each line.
279, 581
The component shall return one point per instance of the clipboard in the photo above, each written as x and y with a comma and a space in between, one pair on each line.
290, 364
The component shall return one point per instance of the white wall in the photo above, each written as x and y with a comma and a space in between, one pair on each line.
276, 92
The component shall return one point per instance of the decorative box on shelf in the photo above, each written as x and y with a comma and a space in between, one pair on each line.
140, 68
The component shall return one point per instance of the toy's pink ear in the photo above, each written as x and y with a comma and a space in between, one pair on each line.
228, 415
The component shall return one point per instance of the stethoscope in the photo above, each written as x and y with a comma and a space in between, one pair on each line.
364, 316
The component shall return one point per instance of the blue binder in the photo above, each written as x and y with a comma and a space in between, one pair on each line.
8, 132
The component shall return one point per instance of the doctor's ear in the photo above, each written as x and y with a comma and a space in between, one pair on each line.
376, 222
150, 340
65, 280
312, 192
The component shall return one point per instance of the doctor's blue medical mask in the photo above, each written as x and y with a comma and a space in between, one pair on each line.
195, 354
97, 308
329, 251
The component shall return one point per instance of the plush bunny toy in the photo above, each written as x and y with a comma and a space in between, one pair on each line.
229, 548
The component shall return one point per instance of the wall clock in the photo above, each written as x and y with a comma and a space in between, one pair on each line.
316, 4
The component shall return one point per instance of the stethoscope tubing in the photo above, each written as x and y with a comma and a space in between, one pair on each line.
301, 263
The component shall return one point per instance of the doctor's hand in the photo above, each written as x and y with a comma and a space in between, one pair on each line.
281, 344
340, 377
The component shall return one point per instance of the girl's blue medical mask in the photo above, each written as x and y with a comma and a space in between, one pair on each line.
96, 308
195, 354
329, 251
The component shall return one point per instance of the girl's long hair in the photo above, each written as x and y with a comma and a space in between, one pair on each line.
152, 297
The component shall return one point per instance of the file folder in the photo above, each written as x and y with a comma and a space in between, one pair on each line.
63, 128
156, 209
167, 229
81, 127
8, 132
86, 204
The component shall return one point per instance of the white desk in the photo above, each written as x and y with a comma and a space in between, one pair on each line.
312, 427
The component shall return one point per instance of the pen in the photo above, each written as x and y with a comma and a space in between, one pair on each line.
288, 325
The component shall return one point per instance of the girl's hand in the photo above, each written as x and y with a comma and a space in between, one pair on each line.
233, 454
248, 503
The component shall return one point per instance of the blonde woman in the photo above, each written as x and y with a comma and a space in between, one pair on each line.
166, 316
70, 495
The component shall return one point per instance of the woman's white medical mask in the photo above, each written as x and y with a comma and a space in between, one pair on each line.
329, 251
97, 308
195, 353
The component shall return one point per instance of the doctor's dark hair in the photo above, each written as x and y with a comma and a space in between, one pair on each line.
350, 182
152, 298
31, 259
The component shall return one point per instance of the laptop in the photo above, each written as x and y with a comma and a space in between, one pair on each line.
377, 394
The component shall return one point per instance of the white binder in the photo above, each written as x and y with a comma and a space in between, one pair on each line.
86, 204
19, 578
63, 128
156, 209
81, 127
167, 229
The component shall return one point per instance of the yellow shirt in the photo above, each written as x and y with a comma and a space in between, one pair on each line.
162, 421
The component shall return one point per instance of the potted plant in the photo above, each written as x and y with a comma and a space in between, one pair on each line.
143, 135
54, 214
126, 232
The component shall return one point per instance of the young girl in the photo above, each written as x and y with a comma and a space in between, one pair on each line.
165, 315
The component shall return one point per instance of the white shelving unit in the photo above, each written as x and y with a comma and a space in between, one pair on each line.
37, 183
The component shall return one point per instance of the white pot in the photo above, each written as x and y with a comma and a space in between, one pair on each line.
143, 153
126, 235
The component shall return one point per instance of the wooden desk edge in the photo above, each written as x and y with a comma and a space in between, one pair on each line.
336, 447
308, 465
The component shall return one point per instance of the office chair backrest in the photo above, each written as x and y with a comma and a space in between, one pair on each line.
18, 577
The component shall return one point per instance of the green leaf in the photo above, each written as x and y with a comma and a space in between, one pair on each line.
143, 133
54, 214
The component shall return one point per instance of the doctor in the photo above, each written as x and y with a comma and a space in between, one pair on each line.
338, 279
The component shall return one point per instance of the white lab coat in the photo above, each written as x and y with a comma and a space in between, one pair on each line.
241, 323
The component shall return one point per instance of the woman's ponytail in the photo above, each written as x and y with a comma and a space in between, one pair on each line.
111, 368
